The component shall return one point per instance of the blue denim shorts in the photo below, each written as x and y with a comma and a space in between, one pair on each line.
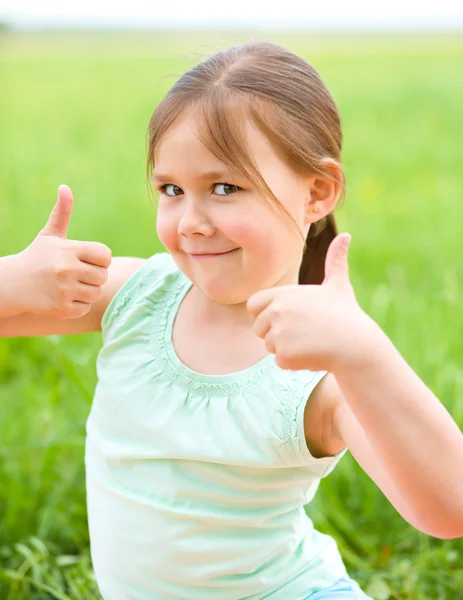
344, 589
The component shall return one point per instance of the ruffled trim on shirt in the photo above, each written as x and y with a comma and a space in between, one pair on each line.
132, 290
195, 384
297, 399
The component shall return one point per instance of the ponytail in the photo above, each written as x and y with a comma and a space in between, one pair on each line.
312, 270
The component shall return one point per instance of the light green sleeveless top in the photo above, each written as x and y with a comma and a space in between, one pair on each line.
196, 484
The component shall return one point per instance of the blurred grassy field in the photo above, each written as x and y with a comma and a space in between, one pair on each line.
74, 109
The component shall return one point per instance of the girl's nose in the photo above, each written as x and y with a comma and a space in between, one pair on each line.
194, 220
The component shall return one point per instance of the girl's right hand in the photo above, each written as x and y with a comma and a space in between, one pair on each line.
61, 278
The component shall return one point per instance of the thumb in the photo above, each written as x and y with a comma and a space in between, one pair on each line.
58, 221
336, 263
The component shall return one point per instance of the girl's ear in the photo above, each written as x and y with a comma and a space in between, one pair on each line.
323, 193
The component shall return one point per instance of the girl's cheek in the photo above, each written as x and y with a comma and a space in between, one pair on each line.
245, 226
166, 231
253, 232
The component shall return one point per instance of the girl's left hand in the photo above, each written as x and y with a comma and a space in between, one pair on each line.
314, 327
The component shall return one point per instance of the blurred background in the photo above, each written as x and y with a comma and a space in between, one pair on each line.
78, 84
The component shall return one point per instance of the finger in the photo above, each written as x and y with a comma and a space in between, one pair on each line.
94, 253
264, 321
88, 293
58, 221
260, 300
336, 262
79, 309
269, 342
93, 274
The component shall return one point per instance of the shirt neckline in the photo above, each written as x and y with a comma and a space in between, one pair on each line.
242, 376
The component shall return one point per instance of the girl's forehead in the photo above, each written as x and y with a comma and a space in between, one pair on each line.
183, 139
182, 149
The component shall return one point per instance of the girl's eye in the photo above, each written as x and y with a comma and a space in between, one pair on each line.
177, 191
227, 188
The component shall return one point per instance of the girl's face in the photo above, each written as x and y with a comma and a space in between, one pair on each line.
217, 228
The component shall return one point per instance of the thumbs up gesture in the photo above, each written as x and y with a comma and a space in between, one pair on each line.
314, 327
62, 278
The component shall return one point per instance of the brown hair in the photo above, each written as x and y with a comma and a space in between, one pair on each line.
286, 99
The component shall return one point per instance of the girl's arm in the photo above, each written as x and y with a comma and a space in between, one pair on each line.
396, 428
15, 323
59, 286
402, 436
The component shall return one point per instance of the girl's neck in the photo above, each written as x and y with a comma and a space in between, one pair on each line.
210, 312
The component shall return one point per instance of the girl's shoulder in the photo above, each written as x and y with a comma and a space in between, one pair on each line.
147, 282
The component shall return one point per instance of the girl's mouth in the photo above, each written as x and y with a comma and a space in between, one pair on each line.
204, 256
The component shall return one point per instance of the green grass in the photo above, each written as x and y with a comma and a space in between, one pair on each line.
74, 109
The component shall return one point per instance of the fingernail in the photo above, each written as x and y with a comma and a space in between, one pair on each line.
346, 241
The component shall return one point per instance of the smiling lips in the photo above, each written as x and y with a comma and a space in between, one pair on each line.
204, 255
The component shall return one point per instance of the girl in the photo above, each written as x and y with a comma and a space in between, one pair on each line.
226, 391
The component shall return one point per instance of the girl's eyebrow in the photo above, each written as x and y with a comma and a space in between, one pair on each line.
208, 175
